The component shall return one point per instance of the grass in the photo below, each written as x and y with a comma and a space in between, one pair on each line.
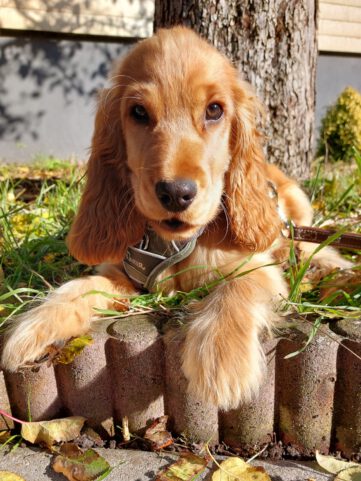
37, 205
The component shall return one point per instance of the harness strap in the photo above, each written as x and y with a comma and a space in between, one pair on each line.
145, 262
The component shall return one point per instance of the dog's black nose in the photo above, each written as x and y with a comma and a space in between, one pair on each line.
176, 196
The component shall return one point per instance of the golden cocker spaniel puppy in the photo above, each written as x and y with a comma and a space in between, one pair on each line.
176, 154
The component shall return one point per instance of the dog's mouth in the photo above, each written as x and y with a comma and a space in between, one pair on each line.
175, 225
173, 228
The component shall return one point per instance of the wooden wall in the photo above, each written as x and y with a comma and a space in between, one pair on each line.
124, 18
339, 24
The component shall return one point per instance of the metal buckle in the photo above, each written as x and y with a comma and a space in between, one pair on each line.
288, 225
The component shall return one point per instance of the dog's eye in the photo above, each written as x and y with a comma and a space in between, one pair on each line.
214, 112
139, 114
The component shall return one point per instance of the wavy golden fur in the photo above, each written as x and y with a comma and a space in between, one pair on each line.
177, 110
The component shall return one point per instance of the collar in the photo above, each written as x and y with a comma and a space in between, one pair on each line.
144, 262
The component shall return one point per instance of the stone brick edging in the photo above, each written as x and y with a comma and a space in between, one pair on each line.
312, 400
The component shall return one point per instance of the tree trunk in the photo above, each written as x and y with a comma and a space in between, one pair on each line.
273, 44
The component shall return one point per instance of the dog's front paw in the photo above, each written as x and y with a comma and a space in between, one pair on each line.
26, 339
222, 369
29, 334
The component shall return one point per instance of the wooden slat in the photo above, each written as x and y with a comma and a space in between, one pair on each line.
339, 29
343, 13
328, 43
129, 8
349, 3
67, 22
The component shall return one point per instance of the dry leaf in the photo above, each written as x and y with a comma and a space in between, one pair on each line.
235, 469
72, 348
332, 465
77, 465
158, 435
9, 476
185, 469
50, 432
121, 305
125, 429
348, 282
350, 474
4, 436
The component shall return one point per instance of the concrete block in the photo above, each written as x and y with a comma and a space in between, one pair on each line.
85, 386
136, 364
305, 387
5, 423
252, 424
33, 393
196, 420
347, 419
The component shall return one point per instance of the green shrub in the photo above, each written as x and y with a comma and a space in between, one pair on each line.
341, 127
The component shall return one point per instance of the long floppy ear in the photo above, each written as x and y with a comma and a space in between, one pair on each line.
253, 215
107, 221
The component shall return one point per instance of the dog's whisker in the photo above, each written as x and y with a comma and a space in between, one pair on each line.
113, 77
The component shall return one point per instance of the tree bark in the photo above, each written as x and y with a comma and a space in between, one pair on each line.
273, 44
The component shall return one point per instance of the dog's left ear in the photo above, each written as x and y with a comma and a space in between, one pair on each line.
107, 221
253, 215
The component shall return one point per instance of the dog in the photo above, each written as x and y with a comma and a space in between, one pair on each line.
177, 158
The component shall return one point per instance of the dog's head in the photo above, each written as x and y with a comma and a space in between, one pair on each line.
174, 135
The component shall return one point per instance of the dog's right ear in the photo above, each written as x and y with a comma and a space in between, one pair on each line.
107, 221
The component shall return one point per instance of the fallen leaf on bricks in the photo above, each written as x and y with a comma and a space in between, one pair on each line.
349, 474
158, 435
50, 432
72, 349
332, 465
185, 469
78, 465
9, 476
235, 469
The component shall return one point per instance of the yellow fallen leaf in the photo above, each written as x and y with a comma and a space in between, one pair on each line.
230, 468
72, 348
50, 432
187, 468
9, 476
349, 474
235, 469
332, 465
4, 436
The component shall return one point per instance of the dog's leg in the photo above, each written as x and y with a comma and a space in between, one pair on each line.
296, 206
223, 358
67, 312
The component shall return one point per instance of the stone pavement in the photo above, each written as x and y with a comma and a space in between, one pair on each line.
34, 465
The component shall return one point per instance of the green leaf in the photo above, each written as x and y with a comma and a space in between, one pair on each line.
79, 465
